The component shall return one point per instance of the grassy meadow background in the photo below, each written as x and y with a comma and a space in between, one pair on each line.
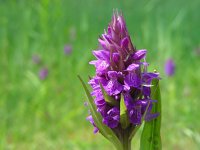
49, 114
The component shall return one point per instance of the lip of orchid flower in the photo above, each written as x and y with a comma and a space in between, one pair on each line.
112, 117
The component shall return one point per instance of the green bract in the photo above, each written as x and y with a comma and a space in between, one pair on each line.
151, 139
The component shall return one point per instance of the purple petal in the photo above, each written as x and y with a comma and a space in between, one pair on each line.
101, 66
99, 102
128, 100
146, 91
132, 67
116, 57
140, 54
150, 117
135, 115
112, 118
114, 74
97, 93
148, 77
95, 130
95, 81
113, 87
122, 23
125, 42
138, 108
90, 119
102, 54
132, 80
102, 43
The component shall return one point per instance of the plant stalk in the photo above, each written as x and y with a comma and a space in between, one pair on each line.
126, 142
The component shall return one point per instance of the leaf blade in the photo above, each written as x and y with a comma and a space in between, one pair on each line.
150, 138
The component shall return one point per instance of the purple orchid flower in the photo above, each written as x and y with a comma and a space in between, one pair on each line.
43, 73
67, 49
169, 67
122, 71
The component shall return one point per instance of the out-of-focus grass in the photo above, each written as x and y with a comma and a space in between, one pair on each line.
49, 114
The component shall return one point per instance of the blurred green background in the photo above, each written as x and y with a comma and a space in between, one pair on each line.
49, 114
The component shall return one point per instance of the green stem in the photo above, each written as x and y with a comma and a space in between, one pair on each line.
126, 142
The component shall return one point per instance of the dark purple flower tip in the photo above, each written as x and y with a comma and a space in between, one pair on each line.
139, 54
112, 118
169, 67
125, 43
67, 49
118, 24
43, 73
36, 59
116, 57
116, 36
105, 41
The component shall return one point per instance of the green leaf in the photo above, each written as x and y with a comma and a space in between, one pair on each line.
103, 129
150, 138
109, 99
124, 120
133, 130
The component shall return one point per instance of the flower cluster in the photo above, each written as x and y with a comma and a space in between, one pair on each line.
122, 72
